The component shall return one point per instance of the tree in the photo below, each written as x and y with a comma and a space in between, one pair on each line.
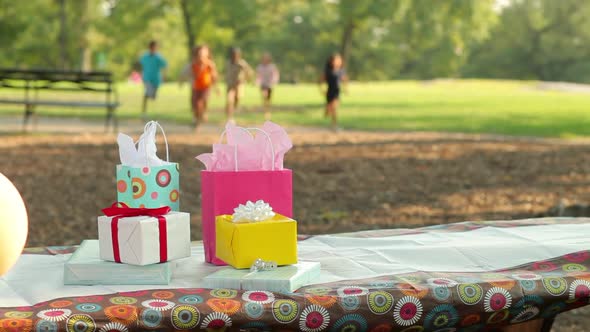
380, 39
63, 35
353, 14
188, 26
537, 39
435, 37
418, 38
124, 30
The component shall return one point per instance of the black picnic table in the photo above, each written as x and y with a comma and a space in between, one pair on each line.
33, 81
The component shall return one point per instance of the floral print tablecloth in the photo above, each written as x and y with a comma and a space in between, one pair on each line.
406, 302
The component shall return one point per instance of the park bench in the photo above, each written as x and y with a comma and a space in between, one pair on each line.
36, 80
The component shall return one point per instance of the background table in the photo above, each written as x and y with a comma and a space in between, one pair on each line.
533, 294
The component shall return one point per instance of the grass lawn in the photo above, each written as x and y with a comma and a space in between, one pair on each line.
470, 106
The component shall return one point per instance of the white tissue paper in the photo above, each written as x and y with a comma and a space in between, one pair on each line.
145, 152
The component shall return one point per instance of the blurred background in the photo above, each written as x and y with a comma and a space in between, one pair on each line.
455, 65
379, 39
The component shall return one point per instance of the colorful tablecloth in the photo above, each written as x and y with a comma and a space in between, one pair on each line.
418, 301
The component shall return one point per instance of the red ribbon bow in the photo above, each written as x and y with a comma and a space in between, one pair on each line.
124, 211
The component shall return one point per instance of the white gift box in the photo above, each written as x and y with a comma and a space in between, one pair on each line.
139, 238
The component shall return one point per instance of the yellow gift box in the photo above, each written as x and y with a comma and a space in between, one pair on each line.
239, 244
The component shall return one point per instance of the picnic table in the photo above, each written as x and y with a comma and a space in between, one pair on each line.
34, 81
544, 271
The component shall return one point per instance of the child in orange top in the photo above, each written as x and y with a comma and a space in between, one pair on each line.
204, 74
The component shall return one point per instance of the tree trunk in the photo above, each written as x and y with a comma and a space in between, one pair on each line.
188, 27
86, 59
346, 45
85, 51
63, 37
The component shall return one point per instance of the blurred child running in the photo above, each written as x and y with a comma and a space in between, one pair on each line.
334, 75
237, 72
267, 76
203, 73
152, 65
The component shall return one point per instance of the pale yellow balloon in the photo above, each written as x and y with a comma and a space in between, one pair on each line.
13, 224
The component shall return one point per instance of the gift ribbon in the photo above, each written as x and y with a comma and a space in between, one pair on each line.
123, 211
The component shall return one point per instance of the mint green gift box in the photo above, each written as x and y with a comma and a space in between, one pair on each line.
284, 279
86, 268
149, 186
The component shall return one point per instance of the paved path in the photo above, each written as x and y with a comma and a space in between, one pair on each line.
59, 128
51, 125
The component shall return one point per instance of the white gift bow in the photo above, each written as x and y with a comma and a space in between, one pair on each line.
253, 212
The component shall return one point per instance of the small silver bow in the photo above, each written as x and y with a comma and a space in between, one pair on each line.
262, 265
253, 212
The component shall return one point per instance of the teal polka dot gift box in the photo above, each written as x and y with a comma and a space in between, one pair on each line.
149, 186
143, 179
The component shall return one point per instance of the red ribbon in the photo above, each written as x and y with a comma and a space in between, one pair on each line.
124, 211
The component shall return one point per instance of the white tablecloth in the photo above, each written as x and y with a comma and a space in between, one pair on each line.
37, 278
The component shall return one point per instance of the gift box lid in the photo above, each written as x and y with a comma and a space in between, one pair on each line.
86, 268
276, 219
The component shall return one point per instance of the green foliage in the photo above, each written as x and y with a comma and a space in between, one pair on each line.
537, 39
26, 42
382, 38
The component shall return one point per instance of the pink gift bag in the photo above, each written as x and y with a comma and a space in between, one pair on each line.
223, 190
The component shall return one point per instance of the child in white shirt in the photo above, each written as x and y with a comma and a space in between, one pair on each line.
267, 76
